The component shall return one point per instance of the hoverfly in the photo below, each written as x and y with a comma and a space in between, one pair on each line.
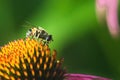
39, 33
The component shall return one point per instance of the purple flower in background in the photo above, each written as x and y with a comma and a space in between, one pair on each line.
84, 77
108, 9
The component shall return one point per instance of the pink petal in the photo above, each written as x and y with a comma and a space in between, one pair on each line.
84, 77
112, 17
109, 8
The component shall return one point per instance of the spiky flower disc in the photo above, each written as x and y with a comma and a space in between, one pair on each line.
29, 60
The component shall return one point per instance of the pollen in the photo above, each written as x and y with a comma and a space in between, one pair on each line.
29, 59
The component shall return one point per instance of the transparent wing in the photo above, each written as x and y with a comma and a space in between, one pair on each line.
39, 27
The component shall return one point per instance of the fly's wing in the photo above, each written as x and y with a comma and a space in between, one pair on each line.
43, 32
40, 28
27, 25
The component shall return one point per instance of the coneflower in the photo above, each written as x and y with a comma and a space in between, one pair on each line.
29, 59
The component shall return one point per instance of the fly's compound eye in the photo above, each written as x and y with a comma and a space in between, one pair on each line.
49, 38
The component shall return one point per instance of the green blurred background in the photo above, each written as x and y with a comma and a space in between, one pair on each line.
86, 45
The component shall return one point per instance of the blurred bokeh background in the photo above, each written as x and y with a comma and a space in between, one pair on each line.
85, 44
